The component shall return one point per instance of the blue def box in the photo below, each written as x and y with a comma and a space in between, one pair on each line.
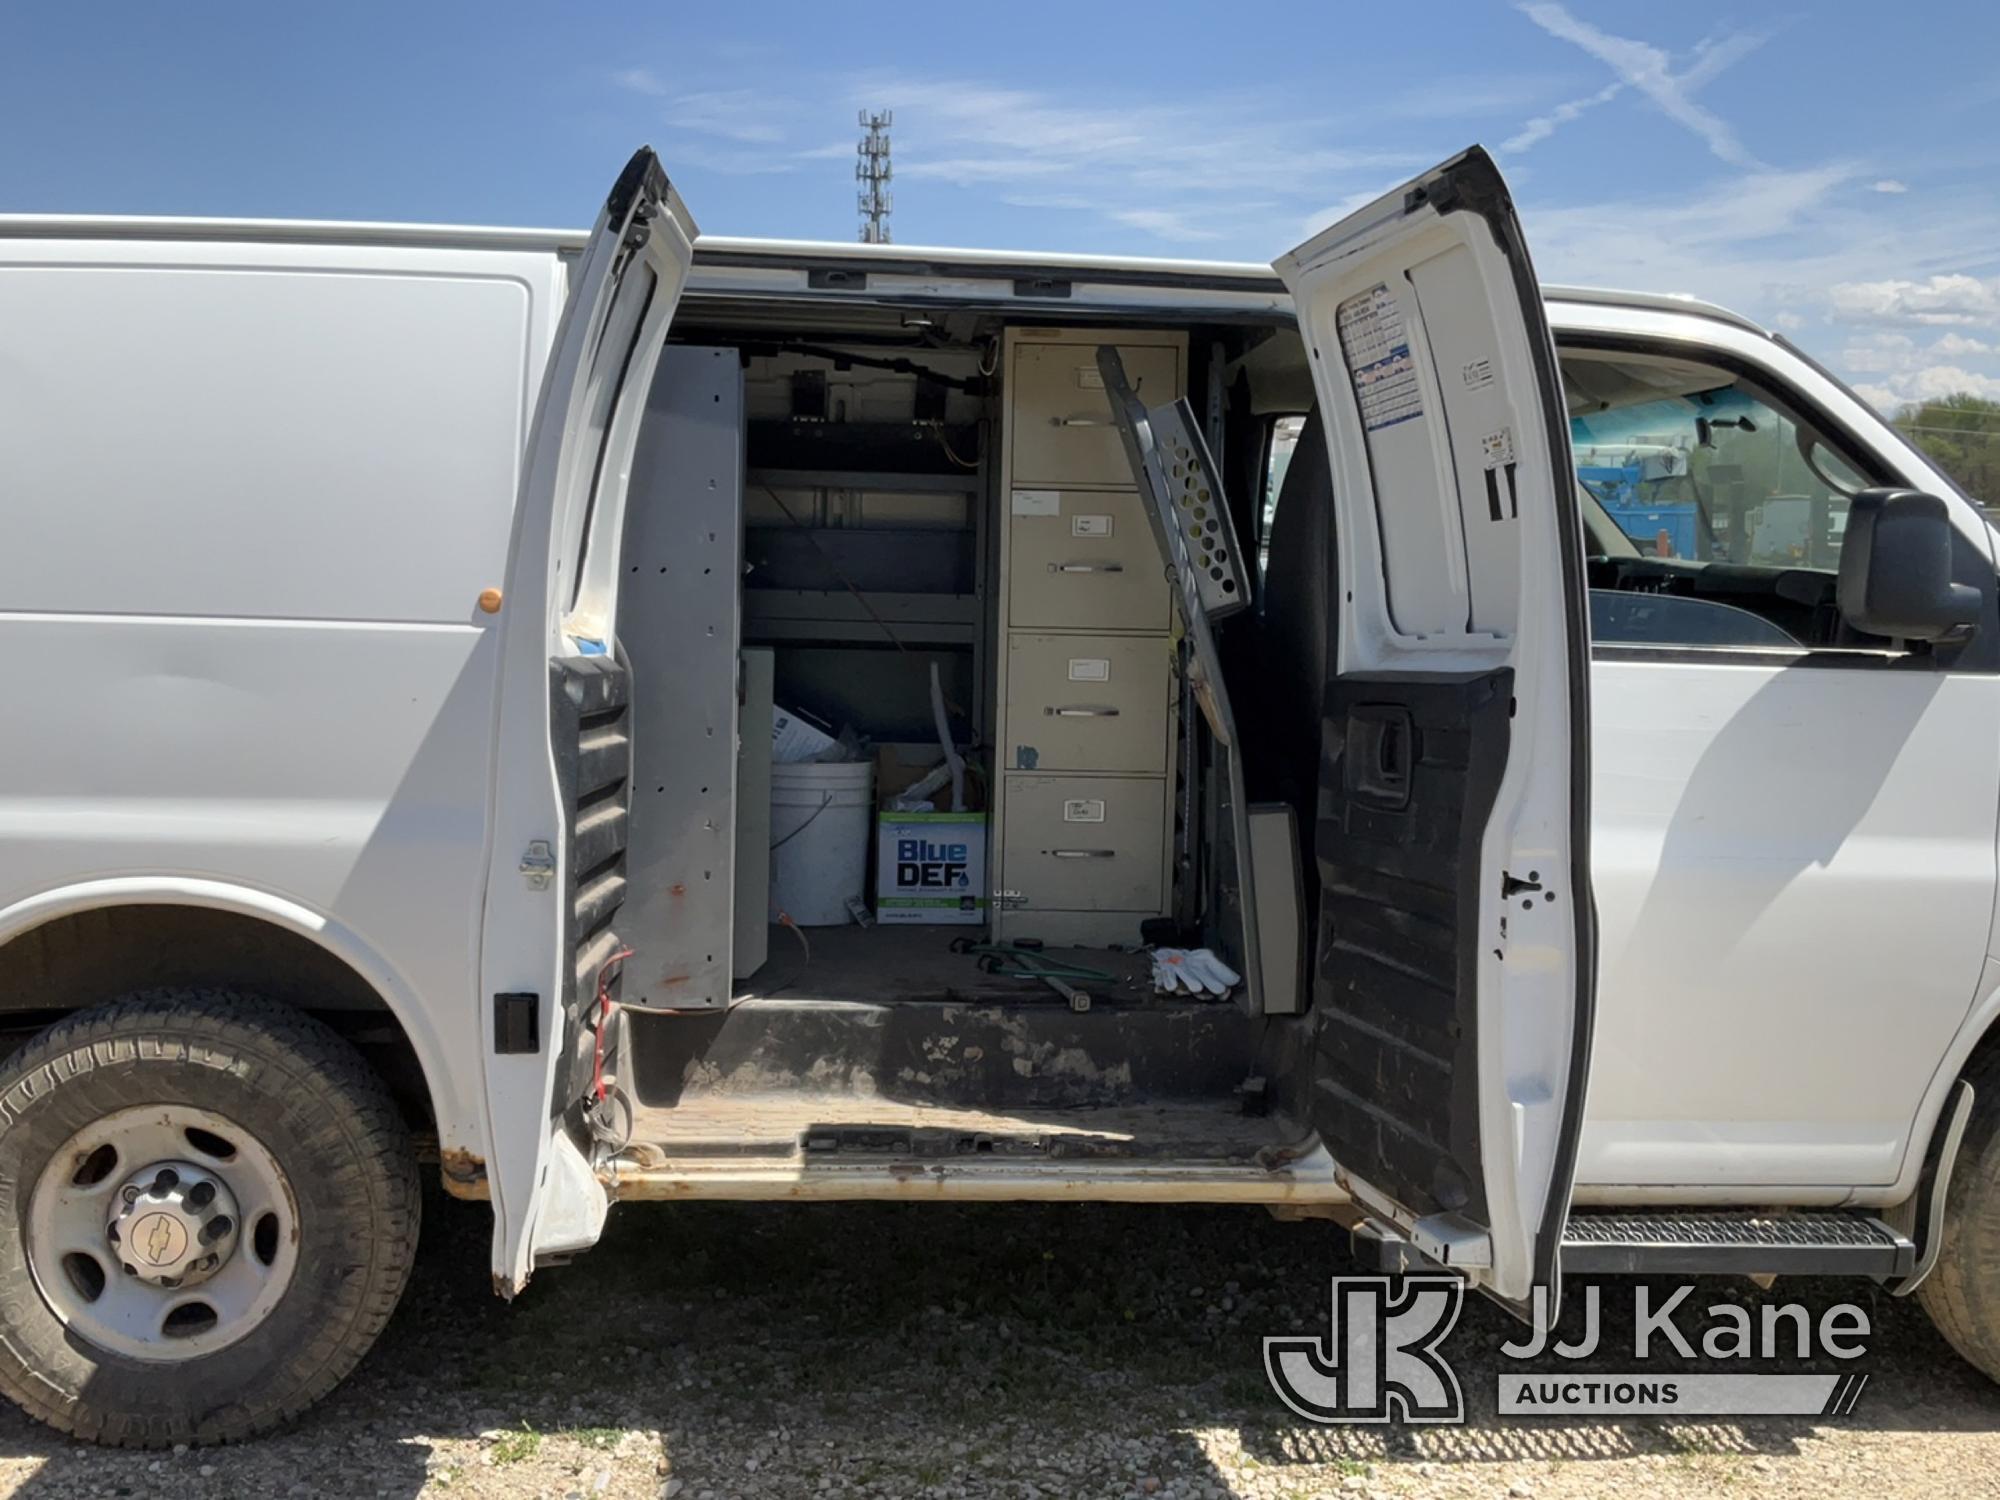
930, 867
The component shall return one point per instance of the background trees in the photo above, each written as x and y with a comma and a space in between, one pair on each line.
1961, 434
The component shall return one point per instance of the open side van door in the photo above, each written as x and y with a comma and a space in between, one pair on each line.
1453, 960
555, 877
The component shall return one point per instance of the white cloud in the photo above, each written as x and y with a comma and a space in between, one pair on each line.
730, 158
1216, 169
1940, 300
1906, 370
969, 133
750, 117
1539, 129
640, 81
1702, 241
1880, 354
1333, 213
1463, 98
745, 115
1648, 69
1166, 223
1873, 277
1928, 383
1888, 185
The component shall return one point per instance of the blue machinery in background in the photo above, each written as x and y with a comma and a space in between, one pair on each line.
1620, 490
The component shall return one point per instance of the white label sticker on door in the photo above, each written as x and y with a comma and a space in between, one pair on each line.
1037, 503
1089, 378
1377, 347
1498, 447
1083, 810
1089, 669
1090, 526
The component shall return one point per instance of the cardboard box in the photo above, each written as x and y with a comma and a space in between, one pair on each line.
930, 867
900, 766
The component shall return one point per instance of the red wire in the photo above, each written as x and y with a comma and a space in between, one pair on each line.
604, 1019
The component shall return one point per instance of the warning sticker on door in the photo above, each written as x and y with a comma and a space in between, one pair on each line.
1037, 503
1376, 345
1497, 448
1089, 669
1090, 526
1083, 810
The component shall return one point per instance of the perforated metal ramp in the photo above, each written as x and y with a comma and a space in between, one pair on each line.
1819, 1243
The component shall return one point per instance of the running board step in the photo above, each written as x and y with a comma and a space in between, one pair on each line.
1822, 1243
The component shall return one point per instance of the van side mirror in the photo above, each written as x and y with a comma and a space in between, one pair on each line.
1896, 569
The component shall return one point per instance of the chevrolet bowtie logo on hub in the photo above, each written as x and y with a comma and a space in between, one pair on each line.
159, 1239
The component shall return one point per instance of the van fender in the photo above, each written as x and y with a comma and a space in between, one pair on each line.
1980, 1020
460, 1116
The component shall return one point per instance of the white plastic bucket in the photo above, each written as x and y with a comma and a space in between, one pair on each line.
821, 813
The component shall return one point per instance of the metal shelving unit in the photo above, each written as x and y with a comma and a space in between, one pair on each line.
919, 619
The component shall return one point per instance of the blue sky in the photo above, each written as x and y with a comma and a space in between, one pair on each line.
1833, 170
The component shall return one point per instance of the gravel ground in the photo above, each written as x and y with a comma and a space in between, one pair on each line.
1025, 1351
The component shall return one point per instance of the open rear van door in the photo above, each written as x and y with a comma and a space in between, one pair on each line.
556, 875
1453, 962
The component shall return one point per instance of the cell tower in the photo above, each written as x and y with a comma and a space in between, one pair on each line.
872, 172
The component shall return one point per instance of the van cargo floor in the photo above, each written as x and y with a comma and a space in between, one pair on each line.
877, 964
805, 1126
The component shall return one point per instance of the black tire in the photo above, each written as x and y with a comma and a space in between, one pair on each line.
315, 1106
1962, 1293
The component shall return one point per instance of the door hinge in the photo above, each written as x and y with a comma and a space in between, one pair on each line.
538, 865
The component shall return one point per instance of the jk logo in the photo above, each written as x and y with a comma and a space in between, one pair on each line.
1380, 1360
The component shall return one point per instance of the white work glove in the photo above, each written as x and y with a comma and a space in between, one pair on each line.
1216, 976
1192, 972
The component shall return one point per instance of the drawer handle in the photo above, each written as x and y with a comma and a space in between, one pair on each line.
1079, 711
1079, 422
1084, 853
1086, 567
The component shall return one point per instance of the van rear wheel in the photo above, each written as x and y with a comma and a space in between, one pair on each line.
1962, 1293
215, 1210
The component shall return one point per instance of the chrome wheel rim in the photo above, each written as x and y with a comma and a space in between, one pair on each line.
162, 1232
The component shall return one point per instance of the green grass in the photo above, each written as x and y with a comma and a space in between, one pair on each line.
517, 1447
603, 1439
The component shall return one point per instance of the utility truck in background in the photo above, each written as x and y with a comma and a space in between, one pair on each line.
390, 622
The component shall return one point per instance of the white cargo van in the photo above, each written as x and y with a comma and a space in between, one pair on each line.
391, 622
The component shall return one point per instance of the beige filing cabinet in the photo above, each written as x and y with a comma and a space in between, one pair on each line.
1087, 694
1087, 844
1083, 560
1087, 703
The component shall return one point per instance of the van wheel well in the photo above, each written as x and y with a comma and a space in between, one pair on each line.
88, 957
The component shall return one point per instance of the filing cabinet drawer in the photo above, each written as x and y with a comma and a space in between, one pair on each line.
1062, 429
1087, 703
1083, 560
1084, 843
